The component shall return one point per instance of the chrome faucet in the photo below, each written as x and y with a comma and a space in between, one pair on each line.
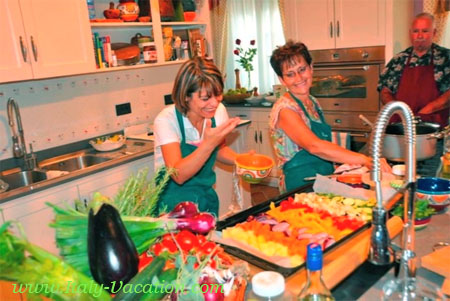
19, 147
380, 245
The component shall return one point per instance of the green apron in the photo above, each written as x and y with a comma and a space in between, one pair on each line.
304, 164
199, 188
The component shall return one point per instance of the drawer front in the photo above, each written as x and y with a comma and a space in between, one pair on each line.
349, 121
250, 114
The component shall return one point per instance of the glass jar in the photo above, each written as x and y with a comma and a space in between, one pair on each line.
149, 53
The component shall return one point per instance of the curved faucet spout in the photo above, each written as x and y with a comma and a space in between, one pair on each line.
380, 241
19, 148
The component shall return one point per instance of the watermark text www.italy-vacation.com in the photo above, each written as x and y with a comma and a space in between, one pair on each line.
95, 289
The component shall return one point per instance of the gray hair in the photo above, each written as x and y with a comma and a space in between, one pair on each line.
426, 16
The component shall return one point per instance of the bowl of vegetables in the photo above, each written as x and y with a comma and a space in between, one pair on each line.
423, 213
253, 168
108, 143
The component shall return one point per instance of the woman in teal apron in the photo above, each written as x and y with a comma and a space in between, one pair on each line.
302, 138
189, 136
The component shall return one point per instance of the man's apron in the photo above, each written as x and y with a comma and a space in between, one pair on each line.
417, 88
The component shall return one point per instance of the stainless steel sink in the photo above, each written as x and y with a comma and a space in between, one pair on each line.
74, 163
23, 178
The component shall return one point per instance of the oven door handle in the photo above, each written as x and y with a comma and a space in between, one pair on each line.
364, 68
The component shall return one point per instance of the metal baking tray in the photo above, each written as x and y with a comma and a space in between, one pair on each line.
263, 207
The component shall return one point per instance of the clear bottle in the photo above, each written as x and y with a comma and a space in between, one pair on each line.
314, 288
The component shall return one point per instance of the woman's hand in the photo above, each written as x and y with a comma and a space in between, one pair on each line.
215, 136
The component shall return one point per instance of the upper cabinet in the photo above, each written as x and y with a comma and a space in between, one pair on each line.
51, 38
44, 38
327, 24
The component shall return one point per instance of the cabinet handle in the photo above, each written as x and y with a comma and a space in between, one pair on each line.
337, 29
24, 49
241, 115
260, 137
33, 47
256, 136
331, 29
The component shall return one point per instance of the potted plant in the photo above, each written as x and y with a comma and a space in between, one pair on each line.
423, 213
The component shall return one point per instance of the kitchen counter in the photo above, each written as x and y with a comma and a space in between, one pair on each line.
246, 104
131, 151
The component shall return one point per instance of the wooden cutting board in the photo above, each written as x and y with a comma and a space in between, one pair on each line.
438, 261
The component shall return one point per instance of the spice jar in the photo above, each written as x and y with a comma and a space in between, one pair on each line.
149, 52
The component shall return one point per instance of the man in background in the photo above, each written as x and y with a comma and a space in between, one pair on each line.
420, 75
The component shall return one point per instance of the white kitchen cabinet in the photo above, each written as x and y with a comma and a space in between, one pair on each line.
258, 137
44, 38
327, 24
35, 216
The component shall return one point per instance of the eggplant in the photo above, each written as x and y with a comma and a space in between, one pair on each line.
112, 254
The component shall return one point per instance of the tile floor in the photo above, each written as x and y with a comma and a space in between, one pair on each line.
261, 193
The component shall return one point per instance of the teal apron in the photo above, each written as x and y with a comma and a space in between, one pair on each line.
199, 188
304, 164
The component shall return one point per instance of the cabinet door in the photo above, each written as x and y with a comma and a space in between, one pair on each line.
59, 35
15, 60
360, 23
311, 22
35, 216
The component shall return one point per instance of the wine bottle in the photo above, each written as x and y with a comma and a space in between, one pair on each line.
314, 289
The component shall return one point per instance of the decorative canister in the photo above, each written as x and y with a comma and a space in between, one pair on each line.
129, 10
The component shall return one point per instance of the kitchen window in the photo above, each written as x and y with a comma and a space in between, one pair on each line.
254, 20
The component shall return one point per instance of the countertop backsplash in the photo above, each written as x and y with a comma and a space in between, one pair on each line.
64, 110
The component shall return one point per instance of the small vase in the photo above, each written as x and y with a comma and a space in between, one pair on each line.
249, 81
129, 10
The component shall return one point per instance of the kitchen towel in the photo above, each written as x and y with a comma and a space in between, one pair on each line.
341, 138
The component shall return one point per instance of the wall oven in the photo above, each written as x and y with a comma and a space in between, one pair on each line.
345, 84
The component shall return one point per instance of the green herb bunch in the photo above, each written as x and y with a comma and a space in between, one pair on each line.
422, 210
245, 55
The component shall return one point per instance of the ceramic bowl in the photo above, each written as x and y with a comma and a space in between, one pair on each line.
105, 144
421, 223
254, 100
253, 167
435, 190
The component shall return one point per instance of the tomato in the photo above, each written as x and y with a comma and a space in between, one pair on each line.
201, 239
165, 246
208, 247
187, 240
144, 260
212, 263
157, 248
167, 237
169, 245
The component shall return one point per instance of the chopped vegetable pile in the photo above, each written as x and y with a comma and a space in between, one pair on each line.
287, 229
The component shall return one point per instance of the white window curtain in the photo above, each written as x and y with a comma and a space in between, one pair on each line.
257, 20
